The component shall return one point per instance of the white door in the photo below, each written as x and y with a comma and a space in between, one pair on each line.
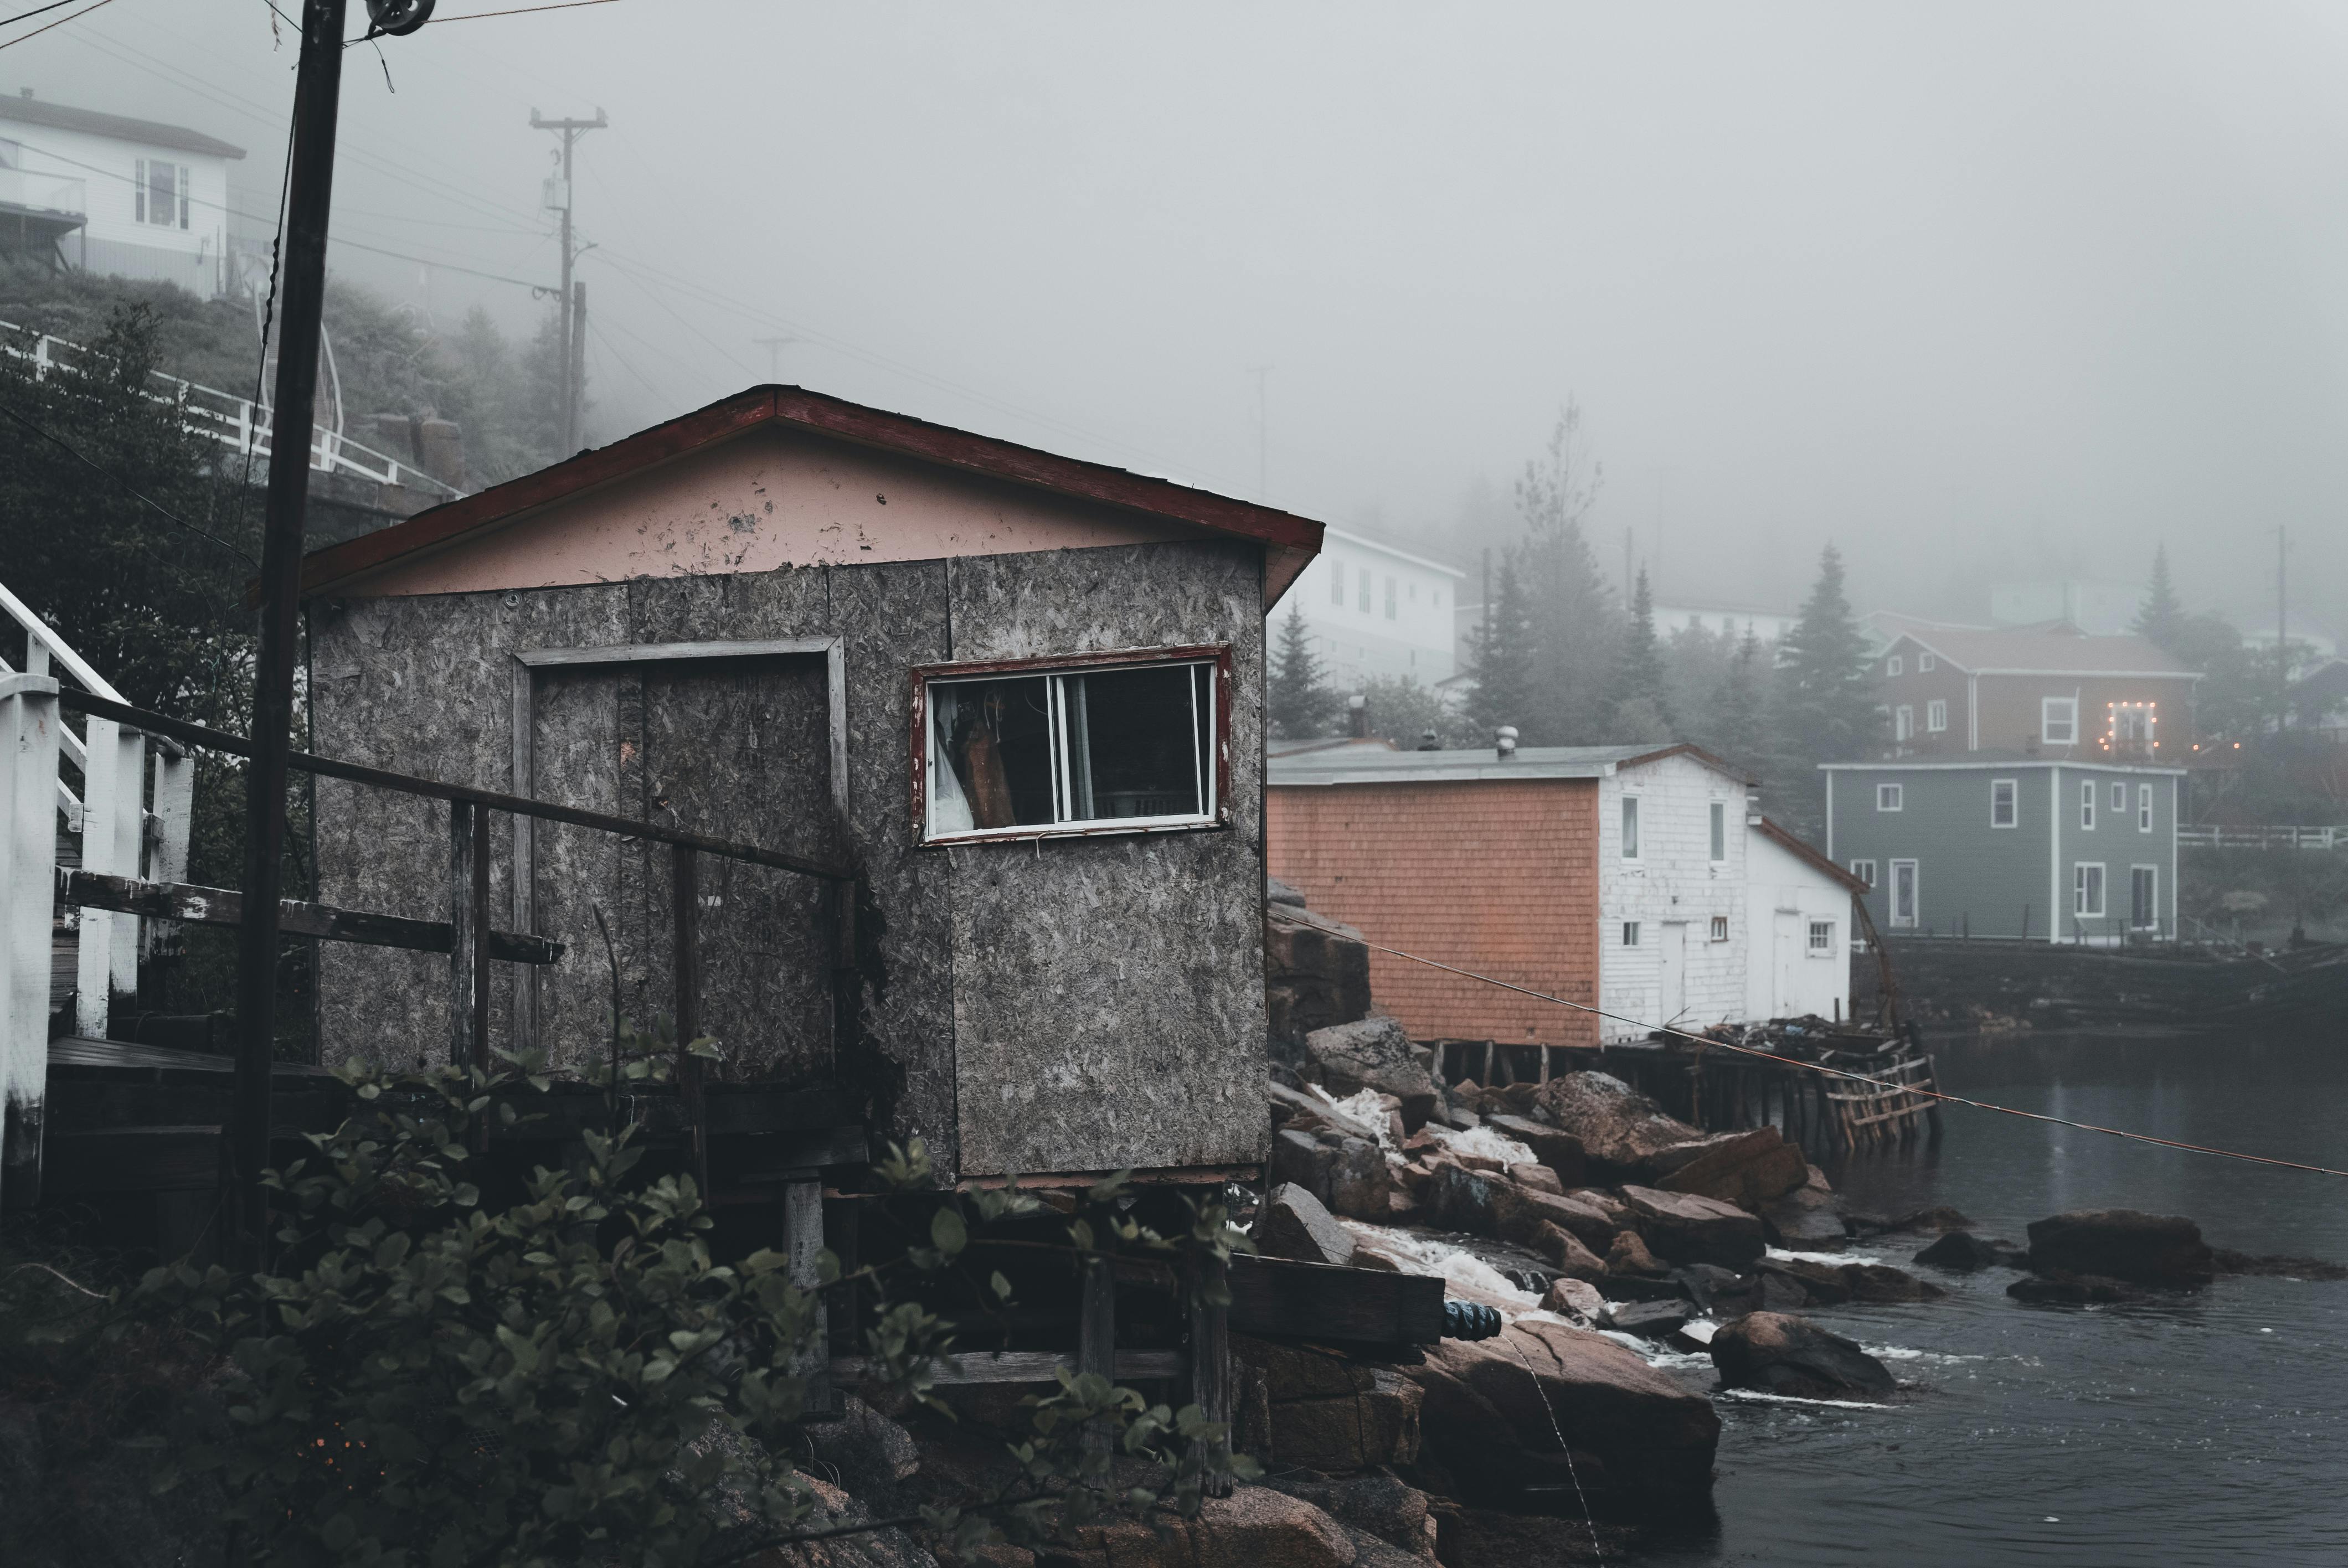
1903, 892
1675, 957
1786, 955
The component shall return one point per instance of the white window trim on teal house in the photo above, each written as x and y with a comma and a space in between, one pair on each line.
2154, 924
2143, 809
1915, 895
2087, 806
1866, 874
2119, 796
1926, 664
1936, 716
1894, 665
1903, 723
2013, 801
1890, 797
2082, 883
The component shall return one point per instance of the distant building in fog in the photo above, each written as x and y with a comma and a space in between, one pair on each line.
1768, 625
1374, 611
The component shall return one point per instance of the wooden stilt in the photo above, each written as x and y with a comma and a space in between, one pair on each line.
803, 1245
1097, 1340
1213, 1378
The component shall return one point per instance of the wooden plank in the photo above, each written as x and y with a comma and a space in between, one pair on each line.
1277, 1298
467, 855
685, 903
780, 1157
1021, 1366
803, 1245
133, 1160
225, 906
1097, 1341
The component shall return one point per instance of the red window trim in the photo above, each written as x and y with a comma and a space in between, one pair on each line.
1217, 653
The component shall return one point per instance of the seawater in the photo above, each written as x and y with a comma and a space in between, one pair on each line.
2211, 1427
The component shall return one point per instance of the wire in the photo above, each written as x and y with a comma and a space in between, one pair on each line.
519, 11
36, 10
58, 23
126, 486
1860, 1077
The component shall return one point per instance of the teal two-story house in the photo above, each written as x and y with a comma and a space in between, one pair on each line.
2010, 846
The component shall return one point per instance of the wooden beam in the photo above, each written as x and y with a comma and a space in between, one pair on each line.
1276, 1299
225, 906
1213, 1378
30, 734
803, 1245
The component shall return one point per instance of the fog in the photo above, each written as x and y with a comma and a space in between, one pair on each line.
1972, 290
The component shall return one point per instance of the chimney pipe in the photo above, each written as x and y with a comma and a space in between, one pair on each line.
1358, 713
1503, 742
1428, 740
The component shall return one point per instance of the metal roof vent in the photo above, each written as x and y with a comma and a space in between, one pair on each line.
1504, 741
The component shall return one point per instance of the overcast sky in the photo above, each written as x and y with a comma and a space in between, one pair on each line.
1974, 291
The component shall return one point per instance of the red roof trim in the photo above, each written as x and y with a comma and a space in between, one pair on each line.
1286, 534
1686, 749
1803, 852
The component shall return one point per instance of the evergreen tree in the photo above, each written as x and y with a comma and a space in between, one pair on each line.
1825, 709
1298, 702
2161, 619
1503, 650
1733, 727
1574, 617
1638, 706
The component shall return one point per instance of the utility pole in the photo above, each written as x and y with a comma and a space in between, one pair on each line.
774, 347
1263, 434
568, 308
2283, 633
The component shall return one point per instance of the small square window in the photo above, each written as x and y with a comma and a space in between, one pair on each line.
1630, 933
1890, 797
1893, 665
1865, 871
1926, 664
1822, 939
2058, 720
1720, 927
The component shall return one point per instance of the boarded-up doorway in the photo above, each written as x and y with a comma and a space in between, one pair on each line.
741, 745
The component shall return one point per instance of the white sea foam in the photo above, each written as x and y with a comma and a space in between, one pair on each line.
1758, 1396
1831, 1259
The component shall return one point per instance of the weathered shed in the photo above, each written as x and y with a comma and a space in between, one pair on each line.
1019, 693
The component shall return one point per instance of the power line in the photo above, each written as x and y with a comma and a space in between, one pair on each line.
521, 11
58, 23
36, 10
1860, 1077
124, 484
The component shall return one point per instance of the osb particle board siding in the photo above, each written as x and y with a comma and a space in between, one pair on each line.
1497, 877
1108, 1003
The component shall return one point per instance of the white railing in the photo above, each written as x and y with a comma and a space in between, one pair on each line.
2263, 838
132, 820
60, 195
235, 422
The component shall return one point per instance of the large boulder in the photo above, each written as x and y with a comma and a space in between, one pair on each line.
1361, 1184
1684, 1228
1623, 1134
1558, 1149
1961, 1252
1747, 1169
2075, 1290
1785, 1355
1489, 1204
1302, 1160
1292, 1224
1566, 1253
2123, 1243
1328, 1413
1808, 1218
1316, 971
882, 1548
1373, 1053
1376, 1504
1640, 1443
1255, 1527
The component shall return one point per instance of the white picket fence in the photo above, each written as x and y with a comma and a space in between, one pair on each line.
236, 422
2274, 836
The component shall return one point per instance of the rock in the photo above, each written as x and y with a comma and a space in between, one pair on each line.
1460, 1118
1255, 1527
1649, 1319
1935, 1219
1565, 1252
888, 1548
1486, 1204
1685, 1228
1329, 1412
1276, 892
1293, 1224
1706, 1283
1747, 1169
1316, 975
1621, 1131
1595, 1217
2279, 1266
1808, 1218
2122, 1243
1880, 1283
1377, 1504
1638, 1287
1779, 1354
1360, 1182
1694, 1335
1305, 1110
1575, 1298
865, 1449
1629, 1255
1961, 1252
1553, 1146
1302, 1160
1806, 1283
2075, 1290
1539, 1178
1640, 1441
1373, 1053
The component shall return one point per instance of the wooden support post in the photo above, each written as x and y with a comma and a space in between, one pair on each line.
1213, 1379
175, 804
846, 990
803, 1245
684, 865
113, 824
1544, 1062
1490, 1047
29, 852
1097, 1339
468, 855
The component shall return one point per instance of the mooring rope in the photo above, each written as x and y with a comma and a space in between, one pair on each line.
1563, 1447
1863, 1078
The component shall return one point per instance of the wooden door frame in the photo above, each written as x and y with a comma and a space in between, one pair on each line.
528, 662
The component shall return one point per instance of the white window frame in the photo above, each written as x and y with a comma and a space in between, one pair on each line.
2153, 924
1394, 605
1719, 927
1817, 948
1890, 797
1367, 589
1865, 871
139, 203
1337, 584
2046, 710
1936, 714
1209, 760
2143, 809
1894, 665
2086, 805
1631, 844
1926, 664
2008, 793
1719, 825
2119, 796
2082, 882
1915, 916
1630, 933
1903, 723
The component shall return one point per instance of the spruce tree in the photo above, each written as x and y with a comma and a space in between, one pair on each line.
2161, 619
1638, 706
1825, 709
1298, 702
1574, 617
1503, 652
1733, 727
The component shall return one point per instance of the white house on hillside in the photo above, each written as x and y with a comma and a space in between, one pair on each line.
1376, 610
1798, 913
105, 193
